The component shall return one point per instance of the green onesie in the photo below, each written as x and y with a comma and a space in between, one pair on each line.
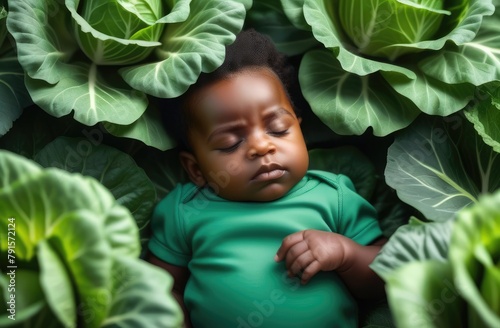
229, 248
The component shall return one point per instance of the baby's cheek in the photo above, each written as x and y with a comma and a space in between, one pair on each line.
234, 168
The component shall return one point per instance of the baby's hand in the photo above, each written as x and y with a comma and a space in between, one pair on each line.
311, 251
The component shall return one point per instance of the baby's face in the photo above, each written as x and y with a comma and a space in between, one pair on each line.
246, 139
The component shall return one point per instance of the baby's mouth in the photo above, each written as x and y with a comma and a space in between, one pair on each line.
269, 172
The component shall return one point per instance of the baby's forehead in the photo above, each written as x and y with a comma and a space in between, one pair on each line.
247, 71
202, 116
255, 88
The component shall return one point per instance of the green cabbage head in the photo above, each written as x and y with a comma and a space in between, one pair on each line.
73, 251
387, 28
125, 31
475, 259
447, 277
381, 63
101, 60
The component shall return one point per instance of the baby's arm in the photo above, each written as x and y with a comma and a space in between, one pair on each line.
180, 275
311, 251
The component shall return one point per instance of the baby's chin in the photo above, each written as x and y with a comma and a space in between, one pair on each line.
267, 194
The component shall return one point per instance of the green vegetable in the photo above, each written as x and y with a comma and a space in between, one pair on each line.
78, 249
442, 165
460, 289
13, 94
127, 40
384, 62
390, 28
80, 59
475, 259
485, 114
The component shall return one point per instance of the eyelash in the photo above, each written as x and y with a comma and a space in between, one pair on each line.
279, 133
231, 148
236, 145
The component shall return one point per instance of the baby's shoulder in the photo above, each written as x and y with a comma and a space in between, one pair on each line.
181, 193
330, 179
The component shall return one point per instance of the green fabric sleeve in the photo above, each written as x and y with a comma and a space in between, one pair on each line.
168, 242
357, 218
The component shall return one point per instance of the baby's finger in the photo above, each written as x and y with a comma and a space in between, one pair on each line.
300, 263
287, 243
294, 252
310, 271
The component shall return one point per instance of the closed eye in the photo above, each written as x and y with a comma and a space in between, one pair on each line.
230, 149
279, 133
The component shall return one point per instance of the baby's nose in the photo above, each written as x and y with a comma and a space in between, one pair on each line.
260, 145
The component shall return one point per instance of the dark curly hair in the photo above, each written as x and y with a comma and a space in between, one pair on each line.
250, 49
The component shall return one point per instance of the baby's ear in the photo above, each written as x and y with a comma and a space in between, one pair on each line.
192, 168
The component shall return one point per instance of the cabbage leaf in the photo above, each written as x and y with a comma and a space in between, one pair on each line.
86, 246
440, 166
79, 61
388, 61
